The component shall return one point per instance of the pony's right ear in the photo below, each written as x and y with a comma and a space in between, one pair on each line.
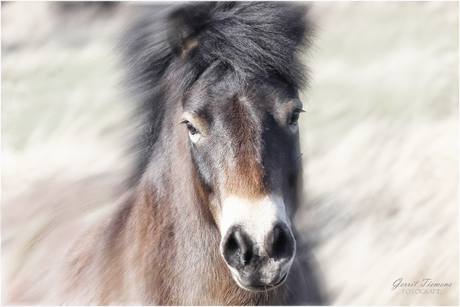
182, 33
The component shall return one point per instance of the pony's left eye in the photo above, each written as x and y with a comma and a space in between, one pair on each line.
294, 117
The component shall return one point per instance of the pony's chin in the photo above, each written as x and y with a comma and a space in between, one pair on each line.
259, 288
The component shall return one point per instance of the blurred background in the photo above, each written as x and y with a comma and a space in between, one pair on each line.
379, 138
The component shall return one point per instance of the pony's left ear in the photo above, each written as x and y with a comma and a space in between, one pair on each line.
182, 32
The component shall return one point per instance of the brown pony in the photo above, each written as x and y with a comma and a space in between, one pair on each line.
207, 216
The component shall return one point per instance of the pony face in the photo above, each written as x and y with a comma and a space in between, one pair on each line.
229, 72
244, 145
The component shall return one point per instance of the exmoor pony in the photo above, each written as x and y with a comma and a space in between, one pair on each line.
206, 219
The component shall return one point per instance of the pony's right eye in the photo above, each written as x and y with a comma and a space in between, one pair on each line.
194, 134
191, 128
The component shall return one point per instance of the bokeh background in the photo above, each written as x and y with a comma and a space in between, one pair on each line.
379, 137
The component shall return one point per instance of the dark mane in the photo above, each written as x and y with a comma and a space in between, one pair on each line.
252, 40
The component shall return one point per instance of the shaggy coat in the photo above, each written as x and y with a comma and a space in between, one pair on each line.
231, 62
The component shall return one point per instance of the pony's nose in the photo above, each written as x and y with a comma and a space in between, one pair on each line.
239, 250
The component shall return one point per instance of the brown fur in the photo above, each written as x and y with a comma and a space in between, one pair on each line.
161, 244
244, 169
149, 252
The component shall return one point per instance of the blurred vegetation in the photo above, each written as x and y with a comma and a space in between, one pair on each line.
63, 76
380, 61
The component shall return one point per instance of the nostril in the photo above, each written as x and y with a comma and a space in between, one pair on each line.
231, 246
282, 243
237, 249
246, 256
279, 241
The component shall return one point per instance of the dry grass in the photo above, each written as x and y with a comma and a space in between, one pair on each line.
380, 141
